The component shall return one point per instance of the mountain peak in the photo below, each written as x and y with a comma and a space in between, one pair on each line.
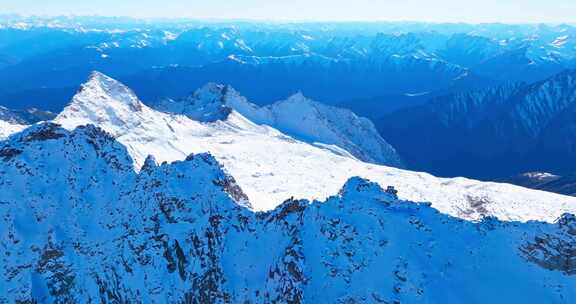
99, 99
150, 164
298, 97
98, 76
315, 122
212, 93
297, 116
360, 186
101, 86
209, 103
213, 88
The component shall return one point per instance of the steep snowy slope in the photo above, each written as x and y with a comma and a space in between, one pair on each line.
7, 128
79, 225
9, 123
270, 166
298, 117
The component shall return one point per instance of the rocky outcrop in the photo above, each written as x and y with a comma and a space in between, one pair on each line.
78, 224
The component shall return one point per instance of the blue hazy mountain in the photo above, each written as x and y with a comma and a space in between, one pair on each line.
544, 181
330, 81
492, 132
23, 117
374, 69
333, 62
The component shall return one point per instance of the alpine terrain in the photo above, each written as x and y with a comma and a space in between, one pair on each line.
84, 227
297, 116
271, 166
199, 159
491, 133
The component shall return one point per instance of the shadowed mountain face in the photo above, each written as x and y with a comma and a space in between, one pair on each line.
87, 227
493, 132
297, 116
544, 181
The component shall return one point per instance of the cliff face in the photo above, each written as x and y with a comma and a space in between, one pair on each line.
491, 133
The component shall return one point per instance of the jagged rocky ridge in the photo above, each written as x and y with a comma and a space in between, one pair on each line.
271, 166
491, 133
79, 225
297, 116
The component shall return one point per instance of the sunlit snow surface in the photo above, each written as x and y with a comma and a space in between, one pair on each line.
7, 128
300, 117
271, 167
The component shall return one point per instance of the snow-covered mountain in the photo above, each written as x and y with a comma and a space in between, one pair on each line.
79, 225
9, 123
297, 116
270, 166
7, 128
331, 62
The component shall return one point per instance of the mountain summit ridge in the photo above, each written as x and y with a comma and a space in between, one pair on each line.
270, 166
297, 116
102, 98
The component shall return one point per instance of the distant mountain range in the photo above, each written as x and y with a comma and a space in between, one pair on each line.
331, 82
42, 61
387, 72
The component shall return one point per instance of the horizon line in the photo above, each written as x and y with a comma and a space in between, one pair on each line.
284, 20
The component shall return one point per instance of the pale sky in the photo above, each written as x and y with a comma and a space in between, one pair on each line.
506, 11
